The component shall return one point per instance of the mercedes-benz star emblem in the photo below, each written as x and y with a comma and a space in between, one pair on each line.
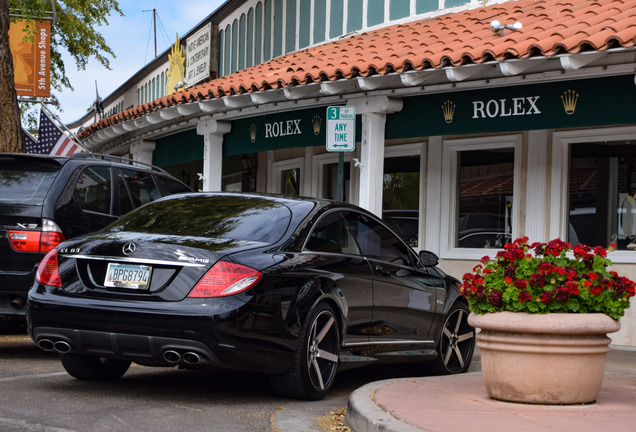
129, 248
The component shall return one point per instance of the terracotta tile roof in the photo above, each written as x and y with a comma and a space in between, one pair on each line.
549, 28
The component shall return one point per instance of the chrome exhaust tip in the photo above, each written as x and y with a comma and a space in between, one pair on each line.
46, 344
62, 347
191, 358
171, 356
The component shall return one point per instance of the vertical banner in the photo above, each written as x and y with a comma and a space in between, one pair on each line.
31, 58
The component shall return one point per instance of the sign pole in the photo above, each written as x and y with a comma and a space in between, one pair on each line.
341, 133
340, 176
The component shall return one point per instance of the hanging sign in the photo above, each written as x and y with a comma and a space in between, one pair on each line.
31, 58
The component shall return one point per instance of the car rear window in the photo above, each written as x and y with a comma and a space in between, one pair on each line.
26, 180
219, 217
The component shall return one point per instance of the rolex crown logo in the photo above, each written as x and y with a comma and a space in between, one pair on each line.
253, 132
569, 98
317, 122
448, 109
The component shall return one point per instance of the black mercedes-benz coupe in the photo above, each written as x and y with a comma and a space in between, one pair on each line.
291, 287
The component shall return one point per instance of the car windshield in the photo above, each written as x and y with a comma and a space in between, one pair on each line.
26, 181
221, 217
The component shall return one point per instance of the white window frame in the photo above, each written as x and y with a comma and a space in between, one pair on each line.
278, 168
450, 200
560, 177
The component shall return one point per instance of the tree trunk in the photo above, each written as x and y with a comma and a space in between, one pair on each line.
10, 127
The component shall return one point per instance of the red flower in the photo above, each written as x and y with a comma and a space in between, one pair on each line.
547, 297
582, 251
572, 288
596, 290
520, 284
561, 294
524, 296
599, 250
495, 297
546, 268
537, 280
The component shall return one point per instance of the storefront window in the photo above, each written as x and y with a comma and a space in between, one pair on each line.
602, 206
486, 185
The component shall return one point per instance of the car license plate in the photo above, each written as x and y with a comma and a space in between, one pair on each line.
128, 276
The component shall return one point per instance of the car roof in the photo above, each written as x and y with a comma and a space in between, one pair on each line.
107, 159
288, 199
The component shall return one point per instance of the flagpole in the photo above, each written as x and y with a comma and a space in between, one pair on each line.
77, 140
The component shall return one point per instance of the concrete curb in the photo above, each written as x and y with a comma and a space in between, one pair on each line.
363, 414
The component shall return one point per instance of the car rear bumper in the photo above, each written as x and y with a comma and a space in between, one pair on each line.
139, 348
14, 287
162, 335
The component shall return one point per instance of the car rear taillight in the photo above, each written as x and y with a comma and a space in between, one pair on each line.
225, 278
37, 241
48, 271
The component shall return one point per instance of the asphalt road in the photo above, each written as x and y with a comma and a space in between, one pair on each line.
36, 394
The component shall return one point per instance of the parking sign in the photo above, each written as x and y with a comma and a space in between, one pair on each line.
341, 128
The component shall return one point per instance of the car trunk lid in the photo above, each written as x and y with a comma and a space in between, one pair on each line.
148, 267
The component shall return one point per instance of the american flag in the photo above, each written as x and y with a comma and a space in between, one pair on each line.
51, 140
29, 142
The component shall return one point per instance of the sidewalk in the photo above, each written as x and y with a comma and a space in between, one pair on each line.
460, 403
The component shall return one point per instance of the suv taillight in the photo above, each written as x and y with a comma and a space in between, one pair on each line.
37, 241
225, 278
48, 271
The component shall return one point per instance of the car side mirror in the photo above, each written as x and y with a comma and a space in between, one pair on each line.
428, 259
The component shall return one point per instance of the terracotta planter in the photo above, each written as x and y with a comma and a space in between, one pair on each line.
543, 358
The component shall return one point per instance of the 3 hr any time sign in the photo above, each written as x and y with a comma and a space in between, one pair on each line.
341, 128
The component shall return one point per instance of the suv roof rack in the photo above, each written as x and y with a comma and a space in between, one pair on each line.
108, 157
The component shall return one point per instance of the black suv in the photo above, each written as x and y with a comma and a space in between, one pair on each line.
47, 199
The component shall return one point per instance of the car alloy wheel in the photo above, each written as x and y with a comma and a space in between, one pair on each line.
322, 350
316, 358
457, 341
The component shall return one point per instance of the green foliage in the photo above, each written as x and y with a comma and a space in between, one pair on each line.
547, 277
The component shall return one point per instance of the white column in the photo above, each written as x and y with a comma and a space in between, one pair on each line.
212, 131
373, 110
434, 179
536, 186
142, 151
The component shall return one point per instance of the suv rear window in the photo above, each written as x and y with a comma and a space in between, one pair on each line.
26, 180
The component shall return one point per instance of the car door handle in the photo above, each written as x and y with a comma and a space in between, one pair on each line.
381, 270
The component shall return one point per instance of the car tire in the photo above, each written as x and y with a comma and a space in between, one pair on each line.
94, 368
316, 359
457, 341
